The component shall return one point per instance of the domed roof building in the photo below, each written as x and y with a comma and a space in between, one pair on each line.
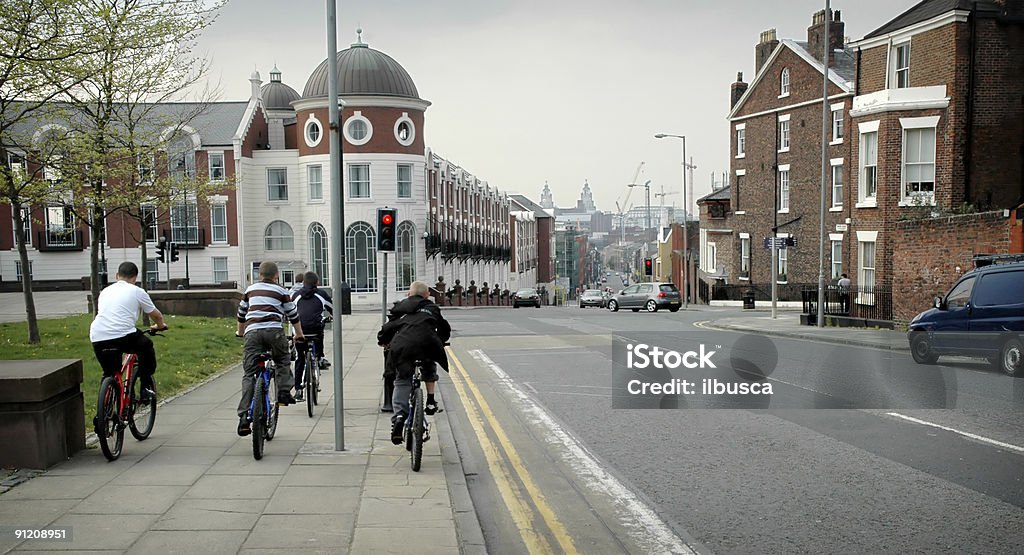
277, 95
363, 71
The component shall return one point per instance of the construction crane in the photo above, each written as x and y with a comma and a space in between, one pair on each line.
663, 194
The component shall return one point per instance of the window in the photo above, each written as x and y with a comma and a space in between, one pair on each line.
17, 163
837, 123
361, 257
741, 141
866, 271
26, 222
315, 176
736, 187
318, 252
919, 165
405, 255
145, 167
220, 269
181, 157
404, 181
17, 270
287, 276
358, 181
313, 131
784, 134
784, 188
219, 223
148, 213
745, 257
837, 258
216, 166
357, 129
277, 184
784, 83
837, 183
1001, 289
152, 272
868, 189
405, 130
961, 294
185, 223
901, 65
60, 226
278, 237
783, 264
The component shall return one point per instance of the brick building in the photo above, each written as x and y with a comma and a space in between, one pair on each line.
926, 122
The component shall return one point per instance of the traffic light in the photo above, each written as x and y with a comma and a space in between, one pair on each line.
160, 249
386, 229
174, 252
648, 267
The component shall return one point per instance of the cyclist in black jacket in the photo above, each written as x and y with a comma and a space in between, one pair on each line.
417, 332
311, 302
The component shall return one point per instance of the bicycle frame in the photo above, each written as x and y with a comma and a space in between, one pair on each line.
128, 366
265, 373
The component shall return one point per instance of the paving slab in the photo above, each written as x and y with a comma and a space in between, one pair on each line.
118, 499
189, 542
312, 500
306, 533
324, 475
212, 514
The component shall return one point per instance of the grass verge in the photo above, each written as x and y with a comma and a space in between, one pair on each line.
194, 348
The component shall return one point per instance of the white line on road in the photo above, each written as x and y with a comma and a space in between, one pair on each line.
646, 527
975, 437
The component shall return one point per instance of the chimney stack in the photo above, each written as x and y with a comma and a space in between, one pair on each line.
816, 35
738, 88
764, 49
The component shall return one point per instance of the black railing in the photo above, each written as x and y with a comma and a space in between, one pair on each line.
186, 242
60, 240
865, 303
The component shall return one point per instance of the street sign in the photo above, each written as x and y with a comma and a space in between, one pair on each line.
841, 227
780, 242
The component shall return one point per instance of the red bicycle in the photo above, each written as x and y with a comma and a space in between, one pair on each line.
121, 407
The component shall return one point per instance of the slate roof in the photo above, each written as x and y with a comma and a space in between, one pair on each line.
928, 9
721, 194
363, 71
528, 204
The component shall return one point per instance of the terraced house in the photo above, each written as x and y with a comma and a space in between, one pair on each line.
926, 124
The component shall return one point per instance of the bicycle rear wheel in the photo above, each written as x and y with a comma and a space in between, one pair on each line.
275, 407
141, 416
416, 408
108, 419
310, 382
259, 415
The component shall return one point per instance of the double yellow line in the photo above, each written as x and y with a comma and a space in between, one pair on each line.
518, 505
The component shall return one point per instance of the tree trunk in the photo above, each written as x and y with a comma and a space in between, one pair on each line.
26, 274
94, 257
142, 268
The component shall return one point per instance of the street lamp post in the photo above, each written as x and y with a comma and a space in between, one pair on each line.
686, 226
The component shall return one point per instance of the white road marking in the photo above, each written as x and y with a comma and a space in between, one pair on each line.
975, 437
646, 527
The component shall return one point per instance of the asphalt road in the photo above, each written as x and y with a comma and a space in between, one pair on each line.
930, 462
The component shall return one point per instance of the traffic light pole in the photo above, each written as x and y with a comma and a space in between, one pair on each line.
384, 292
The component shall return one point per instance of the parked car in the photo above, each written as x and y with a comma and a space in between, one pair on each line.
981, 316
648, 296
592, 297
527, 297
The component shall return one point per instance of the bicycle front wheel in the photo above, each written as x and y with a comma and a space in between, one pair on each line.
310, 382
142, 415
108, 419
259, 415
416, 408
275, 407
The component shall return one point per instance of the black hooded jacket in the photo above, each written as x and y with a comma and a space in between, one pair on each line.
312, 302
415, 331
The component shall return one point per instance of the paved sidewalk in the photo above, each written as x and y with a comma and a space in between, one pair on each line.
49, 304
194, 487
788, 325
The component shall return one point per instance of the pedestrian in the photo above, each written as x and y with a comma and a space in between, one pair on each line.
844, 293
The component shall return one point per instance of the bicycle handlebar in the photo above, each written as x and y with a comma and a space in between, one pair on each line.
151, 331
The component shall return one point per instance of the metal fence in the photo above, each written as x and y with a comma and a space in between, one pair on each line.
867, 303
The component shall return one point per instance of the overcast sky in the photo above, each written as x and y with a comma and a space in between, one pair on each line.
528, 91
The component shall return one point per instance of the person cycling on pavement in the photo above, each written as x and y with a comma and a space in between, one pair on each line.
113, 331
264, 306
417, 332
311, 302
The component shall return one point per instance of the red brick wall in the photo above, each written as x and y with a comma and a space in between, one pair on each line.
545, 269
382, 140
927, 253
257, 134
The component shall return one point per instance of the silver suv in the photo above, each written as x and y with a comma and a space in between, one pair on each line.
648, 296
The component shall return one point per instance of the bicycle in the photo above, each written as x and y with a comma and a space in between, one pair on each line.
417, 429
263, 410
312, 372
118, 407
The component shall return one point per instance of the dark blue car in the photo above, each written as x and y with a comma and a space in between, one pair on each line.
981, 316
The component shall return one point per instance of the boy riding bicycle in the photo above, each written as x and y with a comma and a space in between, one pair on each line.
113, 332
311, 302
417, 332
261, 312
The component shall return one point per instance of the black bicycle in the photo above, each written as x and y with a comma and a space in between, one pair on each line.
417, 429
312, 373
264, 409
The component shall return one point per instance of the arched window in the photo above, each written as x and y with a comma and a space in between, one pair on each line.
318, 252
361, 257
278, 237
784, 82
181, 156
405, 256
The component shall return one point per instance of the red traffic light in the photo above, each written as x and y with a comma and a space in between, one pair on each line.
387, 219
